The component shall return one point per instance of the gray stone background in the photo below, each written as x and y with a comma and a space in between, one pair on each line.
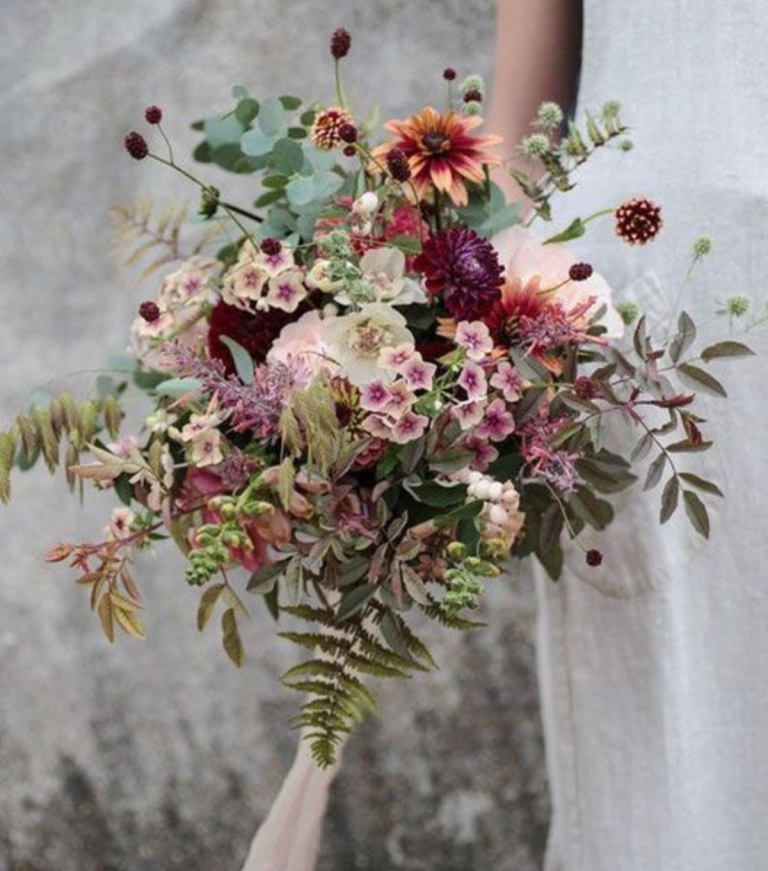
161, 755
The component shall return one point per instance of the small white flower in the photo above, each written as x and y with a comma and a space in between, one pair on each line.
287, 290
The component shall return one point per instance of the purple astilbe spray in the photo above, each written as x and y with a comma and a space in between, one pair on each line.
254, 407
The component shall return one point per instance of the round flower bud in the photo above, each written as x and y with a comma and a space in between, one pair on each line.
136, 145
737, 306
628, 312
535, 145
550, 115
702, 247
594, 557
472, 108
341, 40
153, 114
473, 96
149, 311
271, 246
580, 272
348, 133
398, 166
449, 74
585, 388
349, 151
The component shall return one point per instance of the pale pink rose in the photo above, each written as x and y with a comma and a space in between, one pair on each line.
302, 342
523, 257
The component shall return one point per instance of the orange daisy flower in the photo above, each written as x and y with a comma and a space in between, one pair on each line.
441, 151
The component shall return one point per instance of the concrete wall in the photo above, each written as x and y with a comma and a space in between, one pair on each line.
161, 755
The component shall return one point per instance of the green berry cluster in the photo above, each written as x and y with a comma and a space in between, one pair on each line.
463, 579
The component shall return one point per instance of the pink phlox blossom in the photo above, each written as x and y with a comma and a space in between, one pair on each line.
497, 423
472, 379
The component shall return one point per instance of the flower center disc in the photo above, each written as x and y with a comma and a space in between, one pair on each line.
435, 141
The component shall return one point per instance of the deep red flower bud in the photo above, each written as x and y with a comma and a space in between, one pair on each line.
271, 246
153, 114
473, 96
398, 166
136, 145
149, 311
449, 74
349, 151
594, 558
580, 272
348, 133
341, 40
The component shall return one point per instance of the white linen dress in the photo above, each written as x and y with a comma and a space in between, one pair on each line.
654, 667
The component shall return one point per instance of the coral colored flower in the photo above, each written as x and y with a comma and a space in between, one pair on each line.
508, 380
441, 151
475, 338
464, 269
409, 427
472, 379
497, 424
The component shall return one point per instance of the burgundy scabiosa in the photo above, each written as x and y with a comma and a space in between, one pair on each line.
638, 221
464, 269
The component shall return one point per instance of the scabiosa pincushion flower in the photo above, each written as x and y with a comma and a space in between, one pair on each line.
328, 126
638, 221
442, 151
464, 269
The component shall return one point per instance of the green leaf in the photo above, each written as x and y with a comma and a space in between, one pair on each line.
390, 629
466, 512
301, 191
222, 131
669, 499
701, 483
272, 119
603, 477
574, 230
642, 448
207, 604
355, 599
686, 446
176, 387
726, 349
233, 644
701, 379
239, 92
241, 358
697, 513
275, 182
256, 143
438, 495
288, 156
269, 197
551, 527
528, 367
247, 109
686, 335
598, 513
289, 103
414, 585
655, 471
293, 579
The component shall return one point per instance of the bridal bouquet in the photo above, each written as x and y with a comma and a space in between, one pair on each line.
370, 386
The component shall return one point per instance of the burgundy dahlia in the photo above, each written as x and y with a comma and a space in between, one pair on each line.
341, 40
136, 145
638, 221
255, 332
153, 114
464, 269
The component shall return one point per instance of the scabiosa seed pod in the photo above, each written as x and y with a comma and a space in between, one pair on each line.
585, 388
136, 145
348, 133
580, 272
327, 126
153, 114
149, 311
449, 74
594, 557
341, 40
638, 221
398, 166
271, 246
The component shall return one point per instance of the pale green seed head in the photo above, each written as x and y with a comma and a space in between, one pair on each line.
473, 83
702, 247
611, 110
628, 312
738, 305
472, 108
550, 115
536, 145
626, 145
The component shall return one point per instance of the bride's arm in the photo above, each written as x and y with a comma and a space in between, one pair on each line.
538, 53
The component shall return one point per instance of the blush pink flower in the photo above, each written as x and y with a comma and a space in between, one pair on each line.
497, 424
375, 396
287, 290
472, 379
393, 359
468, 414
485, 453
475, 338
302, 342
418, 374
377, 426
508, 380
402, 399
410, 426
